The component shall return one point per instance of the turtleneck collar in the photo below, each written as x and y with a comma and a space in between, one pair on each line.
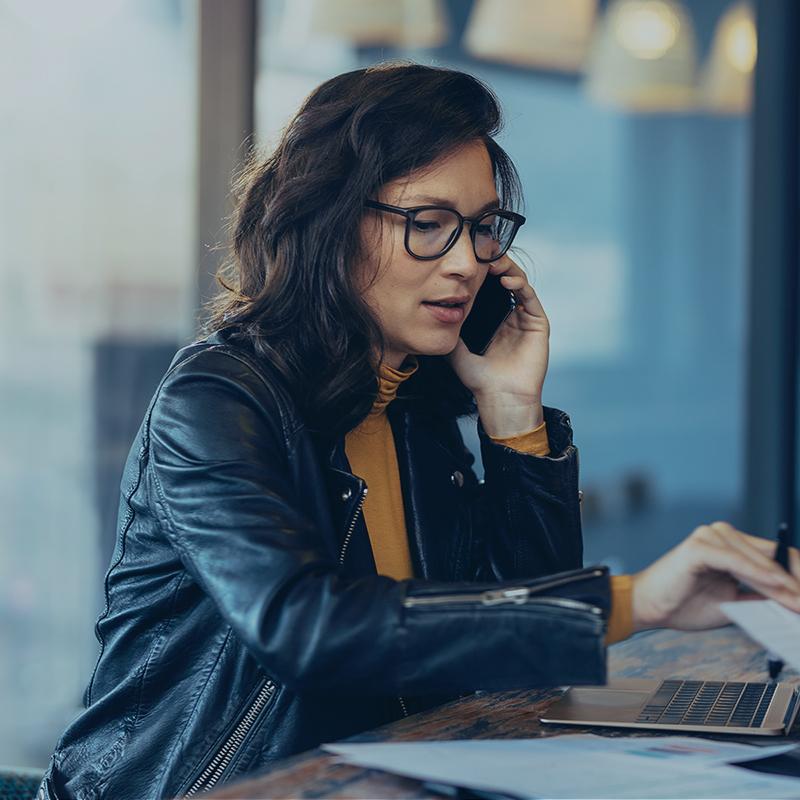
390, 380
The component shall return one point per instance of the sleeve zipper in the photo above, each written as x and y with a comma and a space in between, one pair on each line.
517, 595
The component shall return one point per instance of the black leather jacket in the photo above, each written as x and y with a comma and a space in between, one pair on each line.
244, 620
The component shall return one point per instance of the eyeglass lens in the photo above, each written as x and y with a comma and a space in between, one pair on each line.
433, 230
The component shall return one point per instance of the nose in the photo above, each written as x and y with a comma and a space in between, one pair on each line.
460, 260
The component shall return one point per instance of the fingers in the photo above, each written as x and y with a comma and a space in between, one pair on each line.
717, 563
749, 559
515, 279
507, 268
758, 552
769, 548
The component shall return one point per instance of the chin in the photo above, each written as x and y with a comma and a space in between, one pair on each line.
440, 348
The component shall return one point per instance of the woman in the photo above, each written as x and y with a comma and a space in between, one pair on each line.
260, 601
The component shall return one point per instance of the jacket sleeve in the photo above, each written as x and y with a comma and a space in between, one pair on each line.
534, 521
226, 489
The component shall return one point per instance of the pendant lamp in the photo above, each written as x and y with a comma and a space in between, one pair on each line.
543, 34
643, 57
373, 23
726, 85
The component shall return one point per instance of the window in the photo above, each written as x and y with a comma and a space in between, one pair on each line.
96, 255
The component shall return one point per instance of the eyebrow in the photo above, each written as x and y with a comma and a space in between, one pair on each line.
428, 200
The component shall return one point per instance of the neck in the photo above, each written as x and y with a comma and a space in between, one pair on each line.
394, 360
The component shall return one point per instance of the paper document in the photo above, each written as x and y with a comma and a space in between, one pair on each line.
630, 767
770, 624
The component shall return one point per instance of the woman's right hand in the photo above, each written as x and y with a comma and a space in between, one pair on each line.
683, 588
507, 381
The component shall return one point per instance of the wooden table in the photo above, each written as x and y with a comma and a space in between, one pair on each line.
710, 655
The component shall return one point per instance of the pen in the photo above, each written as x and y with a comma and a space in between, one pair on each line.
775, 663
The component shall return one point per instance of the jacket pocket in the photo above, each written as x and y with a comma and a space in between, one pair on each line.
223, 758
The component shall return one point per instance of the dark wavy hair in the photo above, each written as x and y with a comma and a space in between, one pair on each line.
289, 288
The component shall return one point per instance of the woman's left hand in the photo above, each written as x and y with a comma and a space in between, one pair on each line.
507, 381
683, 588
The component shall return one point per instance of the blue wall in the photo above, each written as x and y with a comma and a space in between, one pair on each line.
662, 398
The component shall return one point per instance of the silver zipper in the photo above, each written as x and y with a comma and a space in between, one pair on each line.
517, 595
352, 526
217, 766
559, 602
403, 705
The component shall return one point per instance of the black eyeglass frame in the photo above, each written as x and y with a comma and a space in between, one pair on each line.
411, 213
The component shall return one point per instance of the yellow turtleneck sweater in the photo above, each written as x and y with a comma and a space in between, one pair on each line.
371, 452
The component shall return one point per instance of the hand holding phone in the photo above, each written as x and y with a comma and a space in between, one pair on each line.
507, 385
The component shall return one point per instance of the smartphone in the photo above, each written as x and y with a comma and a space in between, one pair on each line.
492, 307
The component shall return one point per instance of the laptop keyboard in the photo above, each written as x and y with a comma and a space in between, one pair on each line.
724, 703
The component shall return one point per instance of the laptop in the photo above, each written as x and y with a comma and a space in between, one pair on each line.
761, 709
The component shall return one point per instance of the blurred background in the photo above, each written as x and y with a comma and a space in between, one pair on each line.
631, 122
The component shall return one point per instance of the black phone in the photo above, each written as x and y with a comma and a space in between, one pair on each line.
492, 307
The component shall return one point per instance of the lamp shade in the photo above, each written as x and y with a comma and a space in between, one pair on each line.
544, 34
643, 57
726, 85
365, 23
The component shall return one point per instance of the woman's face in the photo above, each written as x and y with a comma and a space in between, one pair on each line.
420, 305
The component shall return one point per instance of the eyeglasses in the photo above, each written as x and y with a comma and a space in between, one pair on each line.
431, 230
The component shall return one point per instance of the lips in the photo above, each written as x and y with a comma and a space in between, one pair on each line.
450, 310
449, 302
